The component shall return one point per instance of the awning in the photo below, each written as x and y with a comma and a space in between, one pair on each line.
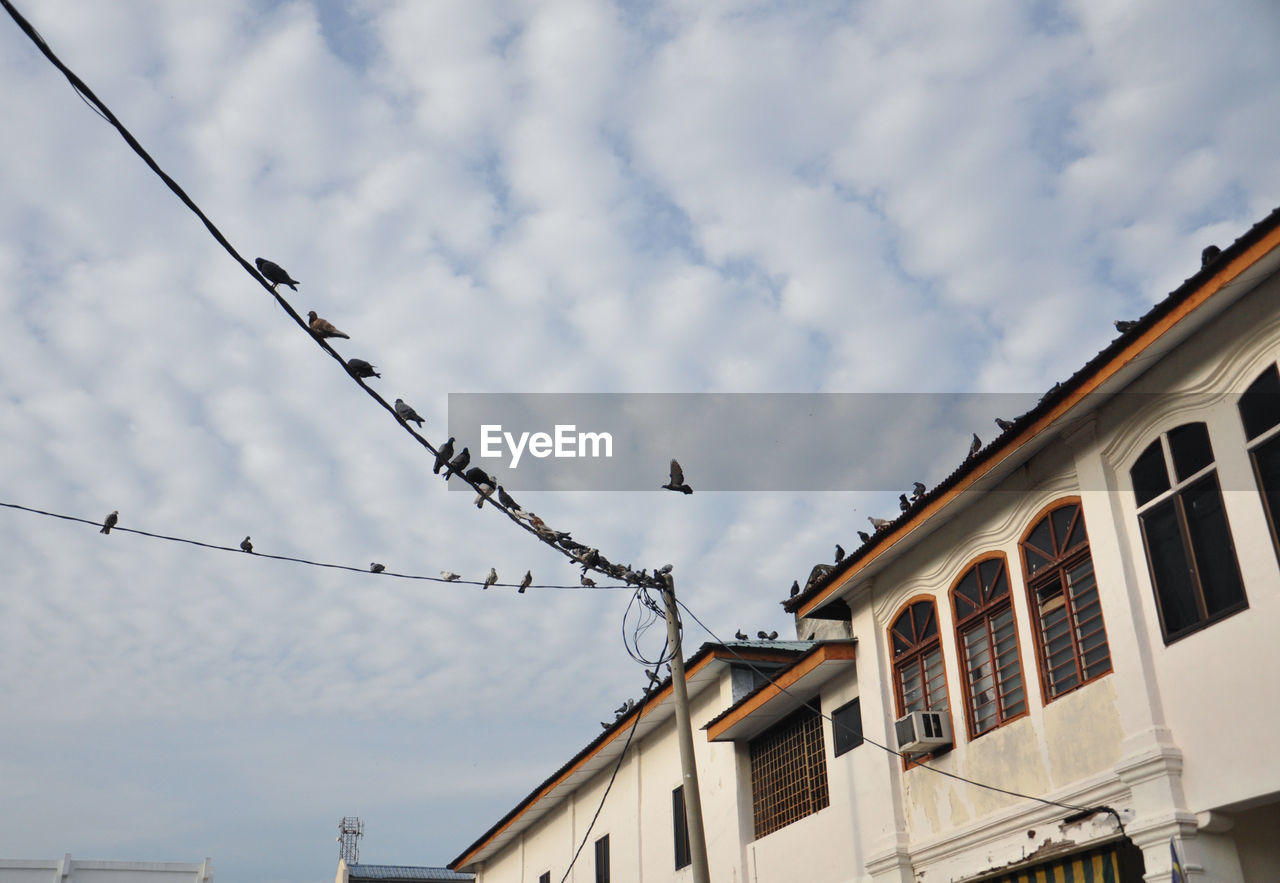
1116, 863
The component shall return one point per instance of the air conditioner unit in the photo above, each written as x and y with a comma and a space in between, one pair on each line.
923, 731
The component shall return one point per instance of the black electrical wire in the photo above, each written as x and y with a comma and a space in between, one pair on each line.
1086, 810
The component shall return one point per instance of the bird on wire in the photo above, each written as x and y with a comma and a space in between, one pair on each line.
361, 368
442, 456
839, 553
406, 413
110, 522
457, 464
526, 582
275, 274
506, 500
375, 567
677, 482
485, 487
323, 327
587, 581
449, 576
491, 578
246, 546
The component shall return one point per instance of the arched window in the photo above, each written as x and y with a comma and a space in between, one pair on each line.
1184, 528
918, 674
988, 641
1071, 637
1260, 413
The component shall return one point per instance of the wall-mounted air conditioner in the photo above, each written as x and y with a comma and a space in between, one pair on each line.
921, 732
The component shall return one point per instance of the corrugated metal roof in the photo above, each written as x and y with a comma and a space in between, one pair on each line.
404, 872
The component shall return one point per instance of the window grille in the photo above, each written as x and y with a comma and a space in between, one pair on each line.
988, 643
788, 772
919, 675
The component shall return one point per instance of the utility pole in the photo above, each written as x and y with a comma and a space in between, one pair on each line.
684, 732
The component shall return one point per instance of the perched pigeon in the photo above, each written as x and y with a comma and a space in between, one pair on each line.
490, 579
526, 582
590, 559
839, 553
323, 327
361, 368
275, 274
443, 455
975, 445
505, 499
1209, 255
375, 567
605, 726
457, 464
476, 475
110, 522
677, 480
795, 587
653, 678
764, 636
587, 581
864, 536
406, 413
740, 635
625, 707
773, 636
485, 487
1123, 325
879, 523
1005, 425
917, 490
903, 503
449, 576
245, 545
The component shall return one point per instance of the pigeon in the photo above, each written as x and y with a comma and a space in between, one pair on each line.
605, 726
443, 455
795, 587
475, 475
375, 567
773, 636
677, 480
879, 523
275, 274
526, 582
665, 569
625, 707
245, 545
449, 576
323, 327
917, 490
653, 678
110, 522
975, 445
1005, 425
903, 503
1209, 255
864, 536
764, 636
587, 581
406, 413
485, 489
361, 368
590, 559
740, 635
457, 464
1123, 325
490, 579
839, 553
506, 500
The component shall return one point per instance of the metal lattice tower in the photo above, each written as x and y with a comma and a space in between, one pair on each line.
350, 830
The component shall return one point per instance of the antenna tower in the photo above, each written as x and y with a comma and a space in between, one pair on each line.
350, 830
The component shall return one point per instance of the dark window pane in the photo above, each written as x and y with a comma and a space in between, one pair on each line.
1062, 519
1211, 544
925, 622
1038, 549
994, 584
1189, 445
545, 878
680, 828
1266, 464
968, 595
1149, 475
1170, 568
1260, 404
602, 859
846, 723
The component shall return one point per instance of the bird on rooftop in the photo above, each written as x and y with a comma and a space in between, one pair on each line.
1123, 325
1209, 255
653, 678
903, 503
839, 553
677, 480
490, 579
526, 582
323, 327
406, 413
879, 523
457, 464
740, 635
773, 636
917, 490
975, 445
864, 536
245, 545
275, 274
361, 368
375, 567
110, 522
1005, 425
449, 576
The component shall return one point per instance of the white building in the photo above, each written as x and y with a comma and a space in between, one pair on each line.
1089, 605
69, 870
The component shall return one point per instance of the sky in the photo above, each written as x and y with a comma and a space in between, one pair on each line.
492, 196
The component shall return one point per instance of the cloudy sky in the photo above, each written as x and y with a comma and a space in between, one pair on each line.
493, 196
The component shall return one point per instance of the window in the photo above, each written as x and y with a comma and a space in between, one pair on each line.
680, 827
1184, 528
602, 859
846, 724
788, 772
988, 644
1071, 637
545, 878
918, 675
1260, 413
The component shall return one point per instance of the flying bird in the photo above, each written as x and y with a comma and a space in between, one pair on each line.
587, 581
903, 503
1005, 425
245, 545
879, 523
975, 445
361, 368
1209, 255
506, 500
526, 582
917, 490
110, 522
443, 455
323, 327
457, 464
375, 567
795, 587
1123, 325
406, 413
275, 274
490, 579
864, 536
677, 480
449, 576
